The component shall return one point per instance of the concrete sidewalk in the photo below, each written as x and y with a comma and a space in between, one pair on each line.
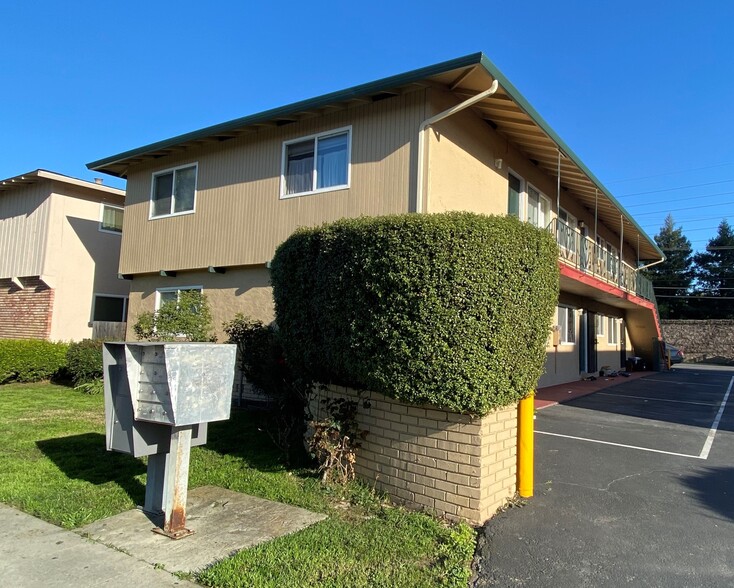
552, 395
34, 553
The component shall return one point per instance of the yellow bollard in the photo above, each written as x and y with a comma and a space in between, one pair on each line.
525, 451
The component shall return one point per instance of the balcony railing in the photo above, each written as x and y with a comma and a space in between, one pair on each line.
586, 255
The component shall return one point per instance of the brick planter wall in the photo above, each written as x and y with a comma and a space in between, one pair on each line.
25, 313
710, 341
448, 463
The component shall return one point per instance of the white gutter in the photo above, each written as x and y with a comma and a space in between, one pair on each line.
650, 264
422, 148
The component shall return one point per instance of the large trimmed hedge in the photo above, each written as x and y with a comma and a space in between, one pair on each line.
449, 309
30, 360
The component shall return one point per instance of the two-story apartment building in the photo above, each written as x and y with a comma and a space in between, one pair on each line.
206, 210
59, 256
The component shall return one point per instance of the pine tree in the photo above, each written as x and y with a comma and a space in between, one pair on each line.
715, 273
672, 279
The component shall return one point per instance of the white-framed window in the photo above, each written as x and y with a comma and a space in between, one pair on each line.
613, 331
567, 324
173, 294
567, 224
600, 321
109, 308
110, 218
515, 191
317, 163
173, 191
538, 208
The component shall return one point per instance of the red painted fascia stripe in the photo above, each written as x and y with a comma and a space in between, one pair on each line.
594, 282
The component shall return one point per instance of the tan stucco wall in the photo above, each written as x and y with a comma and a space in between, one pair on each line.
246, 290
81, 261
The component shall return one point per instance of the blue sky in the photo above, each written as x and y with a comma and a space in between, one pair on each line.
641, 90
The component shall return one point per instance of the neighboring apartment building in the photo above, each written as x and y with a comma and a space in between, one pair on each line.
60, 244
206, 210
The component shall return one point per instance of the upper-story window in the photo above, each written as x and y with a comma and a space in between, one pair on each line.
111, 218
173, 191
514, 194
316, 164
538, 208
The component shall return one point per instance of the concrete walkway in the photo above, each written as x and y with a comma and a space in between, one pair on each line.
34, 553
123, 551
552, 395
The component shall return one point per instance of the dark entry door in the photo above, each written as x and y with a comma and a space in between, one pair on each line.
591, 361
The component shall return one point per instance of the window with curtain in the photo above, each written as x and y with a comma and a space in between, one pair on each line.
173, 191
538, 208
315, 164
567, 324
111, 219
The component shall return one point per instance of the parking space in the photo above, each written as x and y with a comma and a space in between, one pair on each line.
634, 485
675, 412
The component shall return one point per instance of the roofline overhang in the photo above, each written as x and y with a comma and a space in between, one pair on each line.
419, 75
42, 174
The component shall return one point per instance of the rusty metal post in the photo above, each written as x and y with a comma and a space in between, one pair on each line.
176, 487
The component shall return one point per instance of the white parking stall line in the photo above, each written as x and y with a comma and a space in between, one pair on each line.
715, 427
680, 383
622, 445
656, 399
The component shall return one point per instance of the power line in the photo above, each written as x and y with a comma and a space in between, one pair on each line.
672, 173
696, 297
657, 203
674, 189
686, 208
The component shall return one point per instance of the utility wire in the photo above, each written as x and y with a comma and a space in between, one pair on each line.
674, 189
658, 203
672, 173
686, 208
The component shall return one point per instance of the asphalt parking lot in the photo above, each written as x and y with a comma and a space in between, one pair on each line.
634, 485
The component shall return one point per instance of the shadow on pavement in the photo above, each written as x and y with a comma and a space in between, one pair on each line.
714, 489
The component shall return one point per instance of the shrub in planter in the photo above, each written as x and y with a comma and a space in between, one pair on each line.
30, 360
449, 309
84, 361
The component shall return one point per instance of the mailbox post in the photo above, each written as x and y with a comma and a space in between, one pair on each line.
159, 398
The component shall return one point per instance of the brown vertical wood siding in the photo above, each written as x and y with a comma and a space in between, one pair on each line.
239, 217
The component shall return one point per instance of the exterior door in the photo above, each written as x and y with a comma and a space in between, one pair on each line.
591, 338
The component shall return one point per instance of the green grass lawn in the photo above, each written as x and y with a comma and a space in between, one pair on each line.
53, 464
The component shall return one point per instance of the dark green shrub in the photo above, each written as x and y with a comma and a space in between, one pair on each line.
451, 309
30, 360
261, 360
186, 319
84, 361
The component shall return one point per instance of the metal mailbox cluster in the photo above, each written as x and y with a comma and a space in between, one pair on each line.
159, 398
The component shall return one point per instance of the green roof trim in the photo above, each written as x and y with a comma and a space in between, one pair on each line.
371, 88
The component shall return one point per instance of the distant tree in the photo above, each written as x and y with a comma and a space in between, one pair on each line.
672, 279
715, 274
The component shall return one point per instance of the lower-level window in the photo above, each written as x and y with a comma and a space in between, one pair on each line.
109, 308
613, 331
599, 319
163, 295
567, 324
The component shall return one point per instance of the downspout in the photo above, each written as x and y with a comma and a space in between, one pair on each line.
650, 264
422, 147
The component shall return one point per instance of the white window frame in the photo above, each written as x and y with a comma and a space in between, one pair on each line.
526, 191
176, 289
102, 206
522, 195
601, 321
161, 172
315, 137
567, 311
613, 331
125, 303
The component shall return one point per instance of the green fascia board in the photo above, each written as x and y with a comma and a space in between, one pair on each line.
374, 87
311, 103
540, 121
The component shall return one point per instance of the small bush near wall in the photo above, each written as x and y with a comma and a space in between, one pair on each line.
30, 360
451, 309
84, 361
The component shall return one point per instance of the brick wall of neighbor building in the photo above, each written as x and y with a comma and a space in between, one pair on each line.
25, 313
435, 460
